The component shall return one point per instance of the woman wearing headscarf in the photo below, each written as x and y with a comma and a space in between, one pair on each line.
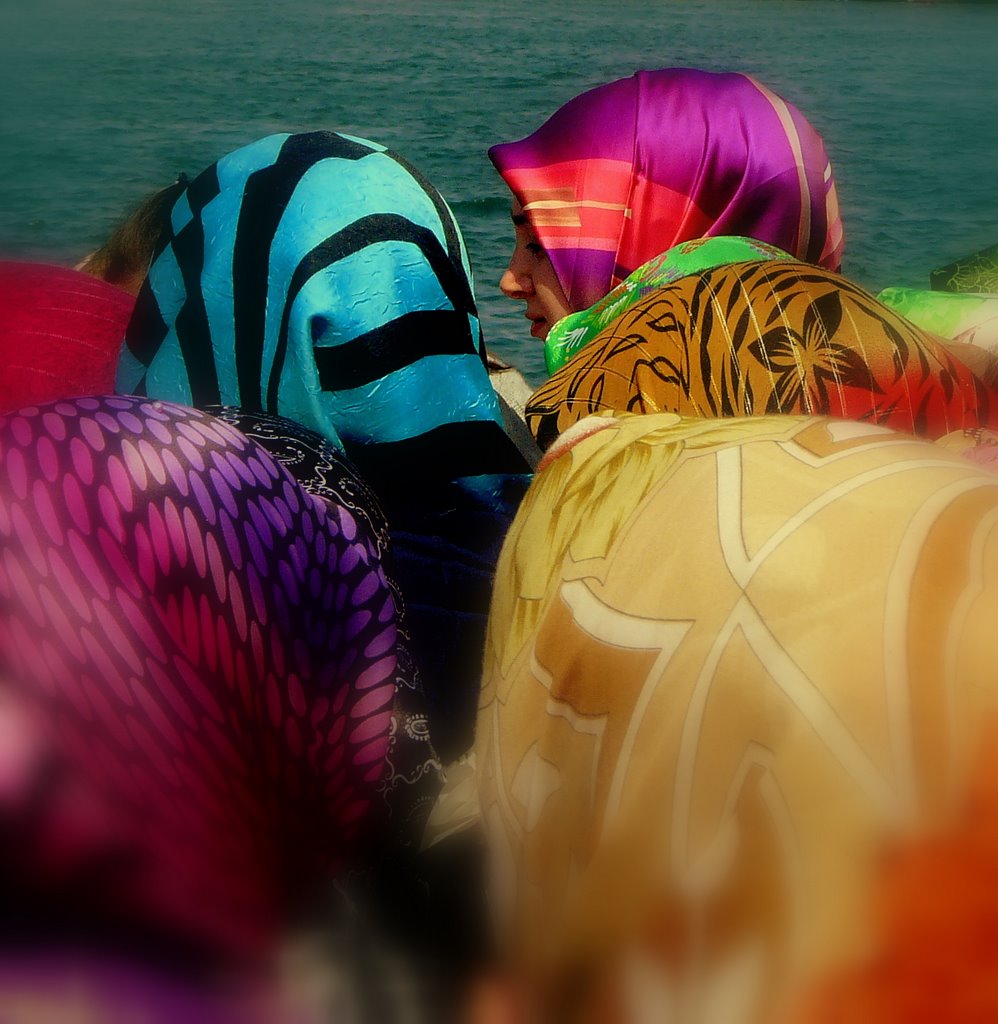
627, 171
320, 278
678, 242
800, 679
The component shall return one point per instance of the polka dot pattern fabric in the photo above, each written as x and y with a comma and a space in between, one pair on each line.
205, 656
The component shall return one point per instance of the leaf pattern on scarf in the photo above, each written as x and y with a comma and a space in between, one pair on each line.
772, 336
807, 364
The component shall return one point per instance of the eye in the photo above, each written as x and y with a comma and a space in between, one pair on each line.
536, 248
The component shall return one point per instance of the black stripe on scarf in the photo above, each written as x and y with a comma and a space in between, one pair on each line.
146, 327
446, 218
193, 333
379, 227
475, 448
390, 347
450, 232
147, 330
265, 198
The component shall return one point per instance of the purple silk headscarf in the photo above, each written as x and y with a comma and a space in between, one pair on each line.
626, 171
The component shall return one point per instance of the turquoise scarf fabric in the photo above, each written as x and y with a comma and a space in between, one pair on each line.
316, 277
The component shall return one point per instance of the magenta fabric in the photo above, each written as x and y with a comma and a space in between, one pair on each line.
60, 333
197, 672
83, 988
626, 171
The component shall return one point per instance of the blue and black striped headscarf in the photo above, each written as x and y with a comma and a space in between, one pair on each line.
320, 278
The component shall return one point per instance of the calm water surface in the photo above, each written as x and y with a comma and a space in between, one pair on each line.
108, 101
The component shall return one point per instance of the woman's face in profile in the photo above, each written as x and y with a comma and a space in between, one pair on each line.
530, 277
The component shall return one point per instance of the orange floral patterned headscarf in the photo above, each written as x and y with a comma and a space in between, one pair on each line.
765, 337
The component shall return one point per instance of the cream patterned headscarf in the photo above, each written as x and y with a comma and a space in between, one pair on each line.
727, 661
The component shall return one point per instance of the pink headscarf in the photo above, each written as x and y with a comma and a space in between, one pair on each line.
60, 334
626, 171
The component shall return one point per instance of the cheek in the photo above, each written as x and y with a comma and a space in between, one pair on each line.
554, 294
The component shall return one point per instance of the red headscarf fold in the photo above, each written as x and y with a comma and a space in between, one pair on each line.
60, 334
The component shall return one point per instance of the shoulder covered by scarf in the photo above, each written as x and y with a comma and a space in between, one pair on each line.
764, 336
797, 619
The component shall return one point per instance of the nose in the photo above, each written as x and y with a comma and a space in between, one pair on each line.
515, 282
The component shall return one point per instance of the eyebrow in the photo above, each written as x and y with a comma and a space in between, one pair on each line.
519, 218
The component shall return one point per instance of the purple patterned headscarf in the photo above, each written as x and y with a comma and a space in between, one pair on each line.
626, 171
197, 671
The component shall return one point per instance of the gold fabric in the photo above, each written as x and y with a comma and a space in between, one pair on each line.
726, 660
760, 338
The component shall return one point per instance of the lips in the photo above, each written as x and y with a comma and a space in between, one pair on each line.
538, 325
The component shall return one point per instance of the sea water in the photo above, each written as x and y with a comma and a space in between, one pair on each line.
106, 101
